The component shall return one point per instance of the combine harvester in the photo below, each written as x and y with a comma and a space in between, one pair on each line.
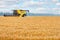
20, 13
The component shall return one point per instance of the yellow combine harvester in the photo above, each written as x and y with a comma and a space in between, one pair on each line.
20, 13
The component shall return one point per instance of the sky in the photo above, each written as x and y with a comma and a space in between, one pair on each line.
34, 6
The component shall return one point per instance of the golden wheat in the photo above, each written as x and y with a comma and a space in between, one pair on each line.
30, 28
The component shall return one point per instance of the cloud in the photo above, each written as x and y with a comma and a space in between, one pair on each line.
7, 3
35, 6
58, 4
40, 10
55, 10
55, 0
31, 3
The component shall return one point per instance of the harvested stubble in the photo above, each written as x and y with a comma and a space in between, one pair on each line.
30, 28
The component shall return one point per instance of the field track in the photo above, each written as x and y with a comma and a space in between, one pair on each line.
30, 28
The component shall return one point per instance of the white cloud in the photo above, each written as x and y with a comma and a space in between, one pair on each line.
39, 10
55, 0
27, 4
55, 10
30, 3
7, 3
58, 4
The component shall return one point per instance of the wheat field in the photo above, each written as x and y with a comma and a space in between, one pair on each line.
30, 28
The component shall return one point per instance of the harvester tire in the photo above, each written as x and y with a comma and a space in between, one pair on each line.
4, 15
23, 15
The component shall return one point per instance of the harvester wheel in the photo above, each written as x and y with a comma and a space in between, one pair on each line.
4, 15
18, 14
23, 15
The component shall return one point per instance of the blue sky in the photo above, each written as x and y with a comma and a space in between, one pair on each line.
34, 6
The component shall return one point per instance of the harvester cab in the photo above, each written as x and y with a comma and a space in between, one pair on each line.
20, 13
